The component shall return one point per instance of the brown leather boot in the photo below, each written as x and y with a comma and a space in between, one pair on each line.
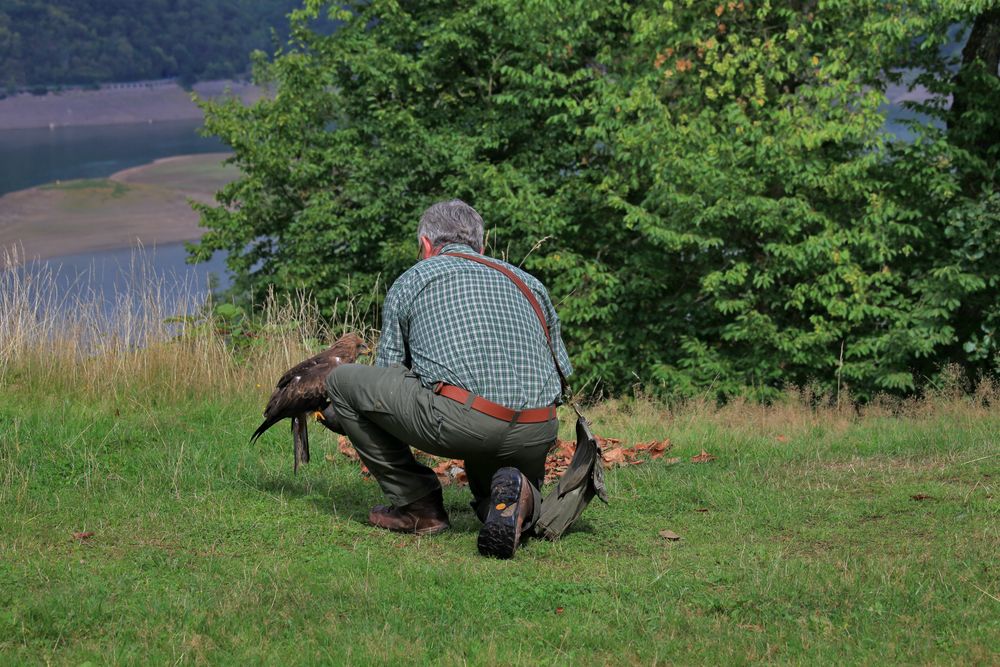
425, 516
511, 506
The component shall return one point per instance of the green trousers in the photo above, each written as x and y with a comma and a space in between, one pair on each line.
385, 411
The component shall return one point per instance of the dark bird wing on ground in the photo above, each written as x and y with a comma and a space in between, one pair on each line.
301, 391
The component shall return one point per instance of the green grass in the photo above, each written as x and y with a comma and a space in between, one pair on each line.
203, 174
801, 543
98, 185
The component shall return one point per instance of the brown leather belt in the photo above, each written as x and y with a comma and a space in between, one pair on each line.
480, 404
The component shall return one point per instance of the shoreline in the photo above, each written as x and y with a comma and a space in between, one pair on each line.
147, 205
129, 172
118, 104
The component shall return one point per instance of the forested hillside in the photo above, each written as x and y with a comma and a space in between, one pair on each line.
51, 42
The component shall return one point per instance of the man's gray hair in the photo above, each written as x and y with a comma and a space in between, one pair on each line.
452, 222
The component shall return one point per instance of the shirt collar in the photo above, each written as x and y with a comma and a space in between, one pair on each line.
458, 247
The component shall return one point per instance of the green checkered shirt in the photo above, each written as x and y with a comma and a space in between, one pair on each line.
456, 321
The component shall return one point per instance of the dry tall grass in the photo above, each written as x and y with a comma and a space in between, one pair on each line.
798, 413
155, 337
158, 339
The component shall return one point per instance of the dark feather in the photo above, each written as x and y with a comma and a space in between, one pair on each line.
300, 436
268, 423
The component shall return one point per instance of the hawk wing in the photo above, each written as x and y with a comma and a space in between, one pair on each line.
300, 391
323, 362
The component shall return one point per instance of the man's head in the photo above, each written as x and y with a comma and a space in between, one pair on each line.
449, 222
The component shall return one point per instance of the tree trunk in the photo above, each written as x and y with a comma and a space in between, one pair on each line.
983, 46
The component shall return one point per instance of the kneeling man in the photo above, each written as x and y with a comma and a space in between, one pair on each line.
464, 369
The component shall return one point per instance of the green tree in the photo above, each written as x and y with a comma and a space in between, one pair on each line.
708, 189
755, 156
951, 177
405, 105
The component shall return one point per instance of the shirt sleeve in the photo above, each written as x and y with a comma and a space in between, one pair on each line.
392, 347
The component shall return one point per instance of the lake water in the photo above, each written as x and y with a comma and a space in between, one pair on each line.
37, 156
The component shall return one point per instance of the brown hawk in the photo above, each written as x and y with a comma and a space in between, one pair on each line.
301, 392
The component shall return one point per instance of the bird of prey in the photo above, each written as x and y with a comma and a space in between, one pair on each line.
301, 392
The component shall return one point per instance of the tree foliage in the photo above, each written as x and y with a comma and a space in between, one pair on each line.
49, 42
708, 189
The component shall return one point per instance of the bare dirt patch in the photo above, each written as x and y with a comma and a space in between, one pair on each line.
120, 104
147, 204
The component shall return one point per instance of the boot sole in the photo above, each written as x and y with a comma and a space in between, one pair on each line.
431, 530
434, 530
501, 532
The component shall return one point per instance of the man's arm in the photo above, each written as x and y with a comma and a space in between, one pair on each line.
554, 330
392, 347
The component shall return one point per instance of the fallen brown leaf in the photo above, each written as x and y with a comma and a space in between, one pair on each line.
657, 448
345, 447
452, 471
669, 535
613, 456
921, 496
782, 438
704, 457
83, 536
559, 610
563, 448
329, 457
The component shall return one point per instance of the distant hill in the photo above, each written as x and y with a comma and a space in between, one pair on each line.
53, 42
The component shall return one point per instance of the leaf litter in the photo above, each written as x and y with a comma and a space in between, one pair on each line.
614, 454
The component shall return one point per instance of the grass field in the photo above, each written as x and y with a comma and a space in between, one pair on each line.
817, 535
